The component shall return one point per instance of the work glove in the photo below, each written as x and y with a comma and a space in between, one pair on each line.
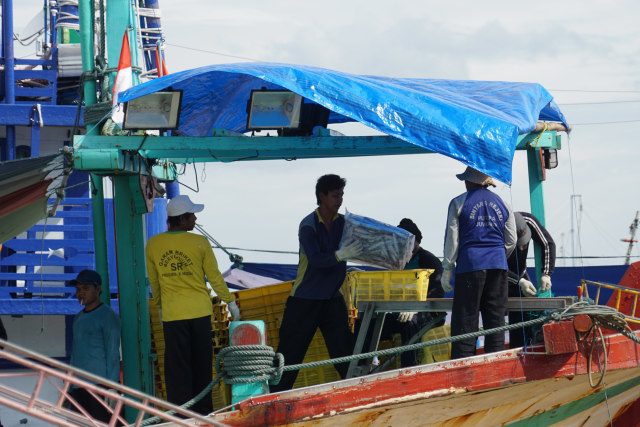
545, 283
349, 251
527, 287
234, 310
445, 279
406, 316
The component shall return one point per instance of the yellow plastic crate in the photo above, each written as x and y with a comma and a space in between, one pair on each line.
435, 353
264, 296
388, 285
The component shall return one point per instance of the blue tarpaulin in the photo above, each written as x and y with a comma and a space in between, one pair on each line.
474, 122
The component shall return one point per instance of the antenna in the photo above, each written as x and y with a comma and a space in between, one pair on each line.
632, 229
573, 201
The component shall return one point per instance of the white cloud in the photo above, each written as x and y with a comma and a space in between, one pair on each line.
569, 45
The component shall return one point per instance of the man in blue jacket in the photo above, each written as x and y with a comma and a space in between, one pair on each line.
480, 235
315, 300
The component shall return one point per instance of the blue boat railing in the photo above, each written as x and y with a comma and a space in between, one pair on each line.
38, 264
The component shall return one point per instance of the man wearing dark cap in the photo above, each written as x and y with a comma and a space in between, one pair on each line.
409, 323
96, 340
527, 228
480, 235
179, 264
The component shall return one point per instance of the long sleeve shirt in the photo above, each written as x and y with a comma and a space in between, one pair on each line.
177, 264
518, 259
425, 259
320, 274
478, 223
96, 342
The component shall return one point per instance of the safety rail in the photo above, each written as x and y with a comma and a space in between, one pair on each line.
36, 265
63, 377
618, 291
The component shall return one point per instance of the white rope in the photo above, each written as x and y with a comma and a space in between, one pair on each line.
65, 17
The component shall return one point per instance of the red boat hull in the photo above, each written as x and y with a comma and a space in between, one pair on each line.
506, 388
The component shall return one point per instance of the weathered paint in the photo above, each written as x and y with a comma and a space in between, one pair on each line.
583, 405
490, 389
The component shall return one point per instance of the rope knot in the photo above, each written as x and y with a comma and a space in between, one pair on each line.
250, 364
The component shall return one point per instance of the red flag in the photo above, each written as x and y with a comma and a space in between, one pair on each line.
124, 79
162, 71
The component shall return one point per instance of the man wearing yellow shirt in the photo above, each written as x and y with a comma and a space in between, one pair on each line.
177, 263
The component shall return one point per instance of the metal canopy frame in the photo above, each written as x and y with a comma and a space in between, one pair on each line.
124, 154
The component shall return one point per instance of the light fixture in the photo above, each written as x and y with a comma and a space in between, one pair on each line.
273, 109
158, 110
550, 158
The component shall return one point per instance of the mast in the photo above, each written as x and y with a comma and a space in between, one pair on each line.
573, 249
632, 229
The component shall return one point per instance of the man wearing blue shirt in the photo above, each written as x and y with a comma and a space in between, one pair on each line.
96, 340
480, 235
315, 300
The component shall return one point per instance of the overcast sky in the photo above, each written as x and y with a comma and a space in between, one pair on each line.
586, 53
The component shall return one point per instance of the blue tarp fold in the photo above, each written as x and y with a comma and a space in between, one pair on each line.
475, 122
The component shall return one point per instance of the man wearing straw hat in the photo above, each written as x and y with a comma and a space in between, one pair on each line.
480, 235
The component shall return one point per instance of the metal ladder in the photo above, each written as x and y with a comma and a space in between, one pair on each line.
71, 414
626, 299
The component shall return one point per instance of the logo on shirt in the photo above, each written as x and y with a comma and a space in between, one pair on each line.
491, 217
175, 260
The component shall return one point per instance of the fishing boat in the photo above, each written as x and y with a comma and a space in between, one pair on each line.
544, 384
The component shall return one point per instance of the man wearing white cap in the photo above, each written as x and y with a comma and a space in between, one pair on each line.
480, 235
177, 263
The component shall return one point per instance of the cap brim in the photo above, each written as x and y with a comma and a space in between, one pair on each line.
524, 239
197, 208
75, 282
461, 177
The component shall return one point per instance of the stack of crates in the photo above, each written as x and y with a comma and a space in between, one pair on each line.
267, 303
157, 347
221, 393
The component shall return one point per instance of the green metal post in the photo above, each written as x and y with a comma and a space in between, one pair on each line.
133, 292
536, 197
85, 15
132, 287
119, 17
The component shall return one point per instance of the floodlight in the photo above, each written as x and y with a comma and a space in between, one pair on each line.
273, 109
550, 158
158, 110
